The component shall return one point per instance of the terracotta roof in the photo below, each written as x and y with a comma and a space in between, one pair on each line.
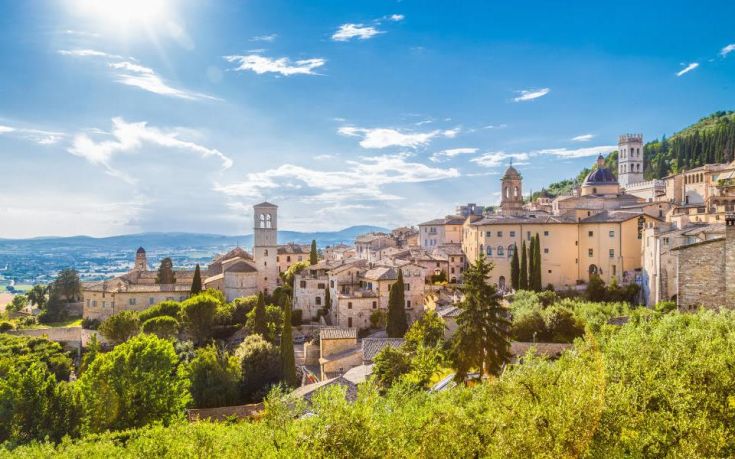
241, 267
337, 333
371, 346
381, 273
448, 220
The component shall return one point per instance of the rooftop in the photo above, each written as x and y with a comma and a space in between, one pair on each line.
371, 346
337, 333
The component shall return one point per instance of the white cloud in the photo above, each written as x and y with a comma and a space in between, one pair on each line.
687, 69
324, 157
136, 75
269, 38
387, 137
583, 138
498, 158
129, 137
727, 49
6, 129
397, 17
88, 53
349, 31
496, 126
39, 136
531, 94
363, 180
444, 155
283, 66
578, 152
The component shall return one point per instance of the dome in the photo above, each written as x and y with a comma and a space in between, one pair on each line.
140, 250
600, 176
511, 172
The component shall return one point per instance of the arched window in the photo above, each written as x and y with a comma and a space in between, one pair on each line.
268, 220
511, 248
489, 251
515, 192
507, 192
501, 282
262, 220
501, 251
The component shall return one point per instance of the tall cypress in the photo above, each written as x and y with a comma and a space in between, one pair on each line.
537, 261
288, 361
327, 299
397, 323
261, 325
166, 273
313, 256
531, 264
523, 281
196, 284
515, 269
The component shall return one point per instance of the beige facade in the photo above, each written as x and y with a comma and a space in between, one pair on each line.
447, 230
291, 253
370, 246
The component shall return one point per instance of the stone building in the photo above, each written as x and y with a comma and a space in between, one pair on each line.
369, 246
447, 230
291, 253
630, 159
234, 274
706, 271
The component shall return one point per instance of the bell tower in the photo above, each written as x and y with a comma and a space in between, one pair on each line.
265, 245
511, 190
630, 159
141, 264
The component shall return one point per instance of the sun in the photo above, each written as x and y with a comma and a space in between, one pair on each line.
123, 15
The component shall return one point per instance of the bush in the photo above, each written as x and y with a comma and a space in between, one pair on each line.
165, 308
27, 321
260, 362
90, 324
529, 326
378, 319
215, 378
120, 327
665, 306
162, 326
6, 326
561, 325
241, 307
297, 317
198, 315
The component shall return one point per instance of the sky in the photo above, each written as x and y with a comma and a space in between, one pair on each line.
129, 116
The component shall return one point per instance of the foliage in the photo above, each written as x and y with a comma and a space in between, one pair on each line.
120, 327
439, 278
67, 286
6, 326
389, 365
17, 303
241, 307
162, 326
55, 309
313, 255
515, 270
288, 364
427, 331
37, 295
327, 298
523, 276
196, 283
273, 322
297, 317
139, 382
20, 352
598, 292
215, 378
665, 306
259, 325
482, 339
378, 319
165, 274
260, 362
198, 314
397, 323
93, 350
91, 324
217, 294
165, 308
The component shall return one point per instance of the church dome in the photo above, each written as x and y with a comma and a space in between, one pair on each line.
511, 172
601, 175
140, 250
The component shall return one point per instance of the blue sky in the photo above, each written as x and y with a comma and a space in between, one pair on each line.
164, 115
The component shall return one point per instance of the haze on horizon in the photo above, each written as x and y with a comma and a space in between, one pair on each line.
175, 116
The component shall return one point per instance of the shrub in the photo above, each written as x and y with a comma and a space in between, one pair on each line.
198, 314
27, 321
90, 324
378, 319
665, 306
561, 325
260, 362
215, 378
241, 307
165, 308
6, 326
529, 326
120, 327
162, 326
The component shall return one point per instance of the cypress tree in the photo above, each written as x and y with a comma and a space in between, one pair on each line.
397, 324
515, 269
482, 339
196, 284
531, 264
327, 299
523, 281
313, 256
165, 273
287, 357
537, 261
260, 326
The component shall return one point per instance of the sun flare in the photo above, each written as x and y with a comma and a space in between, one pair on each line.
123, 14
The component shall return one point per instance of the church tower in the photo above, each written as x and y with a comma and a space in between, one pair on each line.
141, 264
630, 159
511, 201
265, 245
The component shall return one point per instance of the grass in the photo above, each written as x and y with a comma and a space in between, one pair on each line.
75, 322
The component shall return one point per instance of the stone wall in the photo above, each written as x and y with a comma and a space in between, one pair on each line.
224, 412
730, 260
702, 279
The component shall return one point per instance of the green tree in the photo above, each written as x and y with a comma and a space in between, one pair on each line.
532, 264
67, 286
168, 308
537, 265
215, 378
378, 319
427, 331
313, 255
196, 283
260, 326
327, 298
515, 270
596, 290
139, 382
397, 323
261, 367
17, 303
273, 321
523, 277
165, 327
198, 314
482, 339
37, 295
120, 327
166, 275
389, 365
287, 353
93, 350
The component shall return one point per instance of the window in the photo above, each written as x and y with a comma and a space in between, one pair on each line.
151, 300
512, 234
349, 306
331, 283
501, 252
349, 323
510, 250
590, 252
612, 233
318, 300
488, 233
528, 235
614, 269
375, 304
408, 304
131, 301
320, 286
406, 287
265, 252
546, 233
546, 250
590, 233
489, 251
302, 284
500, 234
612, 253
288, 258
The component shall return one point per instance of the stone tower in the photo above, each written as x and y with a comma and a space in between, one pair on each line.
141, 264
630, 159
265, 245
511, 189
730, 260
